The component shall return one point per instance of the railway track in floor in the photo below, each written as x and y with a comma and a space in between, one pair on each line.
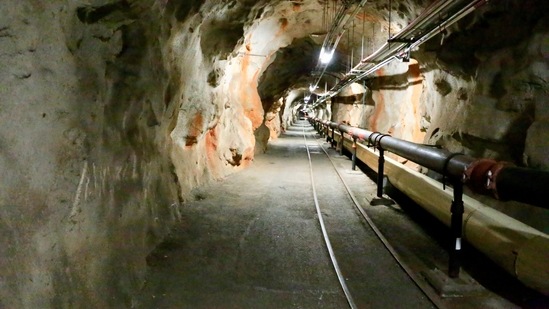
417, 242
345, 251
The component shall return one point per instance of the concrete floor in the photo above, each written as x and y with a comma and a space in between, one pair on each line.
254, 241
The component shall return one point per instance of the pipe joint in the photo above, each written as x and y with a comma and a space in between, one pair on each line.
481, 176
379, 138
371, 138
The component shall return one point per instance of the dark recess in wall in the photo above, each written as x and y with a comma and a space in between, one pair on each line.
90, 14
486, 31
183, 8
291, 64
219, 37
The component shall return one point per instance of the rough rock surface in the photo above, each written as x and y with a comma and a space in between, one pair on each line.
111, 112
481, 91
88, 185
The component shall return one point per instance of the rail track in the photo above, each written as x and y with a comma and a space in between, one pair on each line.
314, 147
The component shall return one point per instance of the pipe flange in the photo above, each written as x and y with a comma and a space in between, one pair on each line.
492, 176
476, 175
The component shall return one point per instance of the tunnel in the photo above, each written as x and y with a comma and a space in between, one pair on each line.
143, 141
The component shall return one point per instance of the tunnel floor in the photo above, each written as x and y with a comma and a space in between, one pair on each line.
253, 240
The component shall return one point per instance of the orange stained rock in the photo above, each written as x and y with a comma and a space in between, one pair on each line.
368, 17
254, 117
195, 130
380, 105
211, 151
283, 23
249, 97
247, 157
416, 84
211, 142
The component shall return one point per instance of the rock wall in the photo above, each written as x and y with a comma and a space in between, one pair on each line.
88, 186
482, 92
273, 119
290, 109
111, 112
210, 134
492, 65
217, 58
505, 110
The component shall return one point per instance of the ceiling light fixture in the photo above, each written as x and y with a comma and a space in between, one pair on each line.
326, 56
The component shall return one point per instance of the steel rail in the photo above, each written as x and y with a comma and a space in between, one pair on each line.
335, 264
501, 180
518, 248
423, 286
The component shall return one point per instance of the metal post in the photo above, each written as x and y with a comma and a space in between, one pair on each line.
456, 228
353, 165
380, 165
333, 138
341, 143
327, 134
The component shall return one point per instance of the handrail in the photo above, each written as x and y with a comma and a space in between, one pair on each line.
502, 180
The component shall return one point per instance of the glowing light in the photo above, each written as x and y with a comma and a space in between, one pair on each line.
312, 88
326, 56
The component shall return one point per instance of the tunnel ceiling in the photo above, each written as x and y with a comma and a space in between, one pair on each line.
368, 30
274, 46
465, 43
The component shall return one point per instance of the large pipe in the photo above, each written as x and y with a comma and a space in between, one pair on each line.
518, 248
500, 179
516, 183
